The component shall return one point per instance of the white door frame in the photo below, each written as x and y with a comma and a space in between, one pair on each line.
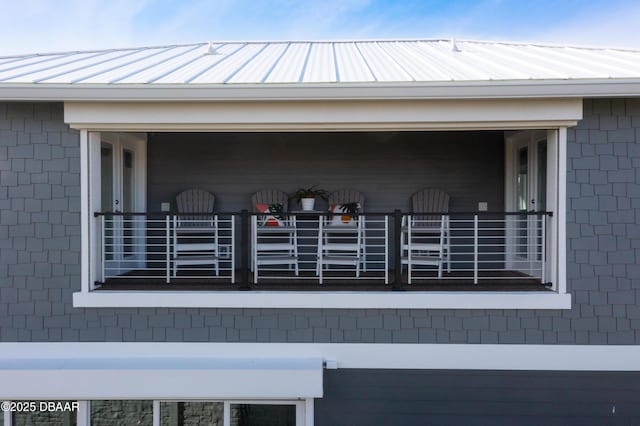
137, 143
514, 142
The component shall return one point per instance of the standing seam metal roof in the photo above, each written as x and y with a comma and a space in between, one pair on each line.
233, 63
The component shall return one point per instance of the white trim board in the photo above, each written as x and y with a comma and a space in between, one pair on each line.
319, 91
324, 115
85, 377
323, 300
349, 355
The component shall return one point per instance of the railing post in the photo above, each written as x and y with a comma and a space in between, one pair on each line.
244, 250
475, 249
397, 249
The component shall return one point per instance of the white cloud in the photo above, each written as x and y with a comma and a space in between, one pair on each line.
29, 26
611, 28
329, 17
41, 26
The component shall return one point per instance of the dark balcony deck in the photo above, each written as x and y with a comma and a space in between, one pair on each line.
507, 281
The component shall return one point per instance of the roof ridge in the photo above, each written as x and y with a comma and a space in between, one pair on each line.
355, 40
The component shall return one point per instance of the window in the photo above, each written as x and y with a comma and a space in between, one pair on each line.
210, 413
112, 412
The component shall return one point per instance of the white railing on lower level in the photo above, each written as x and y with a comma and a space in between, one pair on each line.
248, 248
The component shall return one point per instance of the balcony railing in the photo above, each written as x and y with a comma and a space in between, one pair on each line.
239, 249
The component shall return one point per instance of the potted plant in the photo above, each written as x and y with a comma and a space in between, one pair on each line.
306, 197
349, 210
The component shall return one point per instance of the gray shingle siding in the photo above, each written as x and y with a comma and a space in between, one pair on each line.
40, 250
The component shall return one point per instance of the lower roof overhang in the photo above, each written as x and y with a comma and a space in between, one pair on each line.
90, 375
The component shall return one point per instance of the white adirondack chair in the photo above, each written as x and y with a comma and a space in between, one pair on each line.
342, 244
195, 237
425, 238
273, 245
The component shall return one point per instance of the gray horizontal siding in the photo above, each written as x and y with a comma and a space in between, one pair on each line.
40, 242
415, 397
386, 167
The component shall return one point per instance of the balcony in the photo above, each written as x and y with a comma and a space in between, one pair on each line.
314, 251
502, 259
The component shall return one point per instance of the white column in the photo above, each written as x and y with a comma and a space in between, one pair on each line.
308, 412
83, 415
85, 215
562, 212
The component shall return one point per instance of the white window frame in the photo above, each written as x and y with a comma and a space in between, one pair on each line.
424, 115
304, 409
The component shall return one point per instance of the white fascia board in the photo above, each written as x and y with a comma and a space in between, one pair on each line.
339, 355
323, 300
326, 91
83, 376
324, 115
326, 126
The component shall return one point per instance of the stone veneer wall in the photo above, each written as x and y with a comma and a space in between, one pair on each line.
48, 418
40, 243
117, 413
194, 413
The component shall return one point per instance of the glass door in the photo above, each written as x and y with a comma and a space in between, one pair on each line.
522, 200
120, 192
526, 192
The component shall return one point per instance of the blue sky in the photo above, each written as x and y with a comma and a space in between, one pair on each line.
29, 26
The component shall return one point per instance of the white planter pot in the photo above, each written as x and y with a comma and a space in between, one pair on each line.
308, 203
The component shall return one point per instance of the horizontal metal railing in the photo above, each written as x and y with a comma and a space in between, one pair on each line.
393, 248
475, 247
168, 247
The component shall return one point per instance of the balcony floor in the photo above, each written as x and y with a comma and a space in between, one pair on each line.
369, 281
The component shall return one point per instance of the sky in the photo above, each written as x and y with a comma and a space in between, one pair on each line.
40, 26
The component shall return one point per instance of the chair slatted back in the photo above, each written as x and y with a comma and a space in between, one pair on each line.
429, 200
195, 201
270, 196
344, 196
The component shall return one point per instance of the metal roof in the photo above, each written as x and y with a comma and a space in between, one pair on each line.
219, 67
322, 62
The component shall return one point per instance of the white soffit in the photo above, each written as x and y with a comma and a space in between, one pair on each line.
314, 69
83, 375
